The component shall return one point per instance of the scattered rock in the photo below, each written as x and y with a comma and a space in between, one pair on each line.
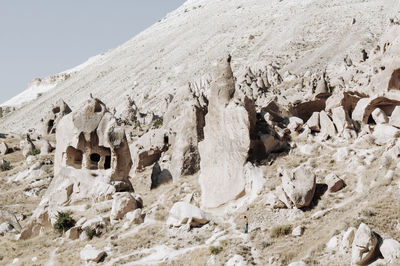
390, 250
89, 254
123, 202
365, 245
334, 182
379, 116
236, 260
299, 185
384, 133
135, 216
184, 213
298, 231
3, 148
313, 122
327, 127
73, 233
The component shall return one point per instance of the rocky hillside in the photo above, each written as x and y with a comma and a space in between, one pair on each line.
229, 133
295, 35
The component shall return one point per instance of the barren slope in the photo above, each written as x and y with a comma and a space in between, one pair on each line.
181, 47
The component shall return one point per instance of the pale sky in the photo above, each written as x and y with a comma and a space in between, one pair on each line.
44, 37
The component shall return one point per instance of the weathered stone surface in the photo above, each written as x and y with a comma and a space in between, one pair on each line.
299, 185
159, 176
334, 182
148, 148
297, 263
3, 148
341, 119
226, 143
295, 124
298, 231
347, 240
341, 98
50, 122
184, 213
123, 202
366, 106
379, 116
73, 233
185, 120
5, 228
236, 260
390, 250
384, 133
365, 245
89, 254
92, 162
395, 117
135, 216
9, 218
313, 122
327, 126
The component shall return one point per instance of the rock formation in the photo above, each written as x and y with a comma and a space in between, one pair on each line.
50, 122
225, 148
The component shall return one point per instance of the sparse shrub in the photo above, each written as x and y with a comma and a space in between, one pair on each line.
34, 152
265, 244
368, 213
215, 250
90, 232
158, 123
281, 230
64, 222
356, 223
5, 166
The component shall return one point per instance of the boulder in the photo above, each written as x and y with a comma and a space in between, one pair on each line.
379, 116
184, 213
313, 122
5, 228
225, 148
341, 119
395, 117
347, 239
298, 231
327, 126
159, 176
295, 124
299, 185
9, 218
3, 148
73, 233
341, 98
123, 202
333, 243
365, 246
390, 250
135, 216
89, 254
366, 106
334, 182
384, 133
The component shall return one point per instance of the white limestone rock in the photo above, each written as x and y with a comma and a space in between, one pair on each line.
184, 213
89, 254
364, 246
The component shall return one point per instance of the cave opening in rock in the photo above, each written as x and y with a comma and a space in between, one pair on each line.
50, 126
74, 157
107, 163
94, 161
56, 110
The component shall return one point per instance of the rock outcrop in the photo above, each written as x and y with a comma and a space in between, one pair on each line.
225, 148
50, 122
92, 163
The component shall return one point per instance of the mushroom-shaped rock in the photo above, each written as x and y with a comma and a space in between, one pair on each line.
182, 213
299, 185
224, 150
365, 246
